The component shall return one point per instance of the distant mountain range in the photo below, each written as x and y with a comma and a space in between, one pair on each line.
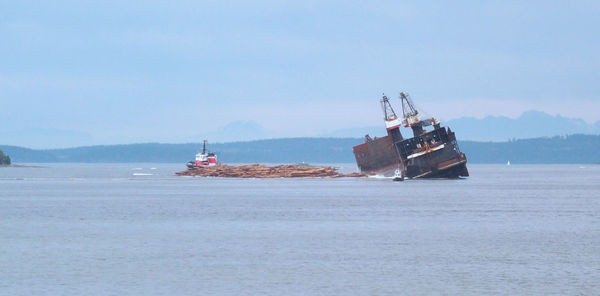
531, 124
569, 149
46, 137
238, 131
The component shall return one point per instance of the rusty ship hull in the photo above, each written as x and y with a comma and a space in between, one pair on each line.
429, 154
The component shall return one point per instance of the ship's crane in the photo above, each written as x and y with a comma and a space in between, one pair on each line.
389, 115
411, 116
410, 113
392, 122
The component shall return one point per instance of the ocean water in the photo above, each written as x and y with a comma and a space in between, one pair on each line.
136, 229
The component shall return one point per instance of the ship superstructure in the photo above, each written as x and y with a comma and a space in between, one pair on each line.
432, 153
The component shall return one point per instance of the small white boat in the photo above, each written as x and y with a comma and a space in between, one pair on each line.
398, 175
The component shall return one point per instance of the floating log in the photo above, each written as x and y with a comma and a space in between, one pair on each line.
263, 171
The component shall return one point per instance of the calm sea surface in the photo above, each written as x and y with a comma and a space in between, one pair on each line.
135, 229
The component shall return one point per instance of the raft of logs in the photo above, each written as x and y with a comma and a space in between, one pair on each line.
263, 171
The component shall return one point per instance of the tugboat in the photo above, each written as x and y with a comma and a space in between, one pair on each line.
203, 159
428, 154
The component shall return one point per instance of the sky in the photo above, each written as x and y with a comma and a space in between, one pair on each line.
107, 72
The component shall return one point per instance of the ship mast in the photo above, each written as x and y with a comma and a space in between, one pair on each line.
392, 122
204, 147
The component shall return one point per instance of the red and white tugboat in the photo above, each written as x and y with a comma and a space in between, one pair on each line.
203, 159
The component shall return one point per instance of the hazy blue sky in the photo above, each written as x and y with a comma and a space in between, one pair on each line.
125, 71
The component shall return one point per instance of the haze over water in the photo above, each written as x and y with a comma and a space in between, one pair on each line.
128, 229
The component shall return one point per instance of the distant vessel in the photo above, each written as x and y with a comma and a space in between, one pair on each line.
508, 162
428, 154
203, 158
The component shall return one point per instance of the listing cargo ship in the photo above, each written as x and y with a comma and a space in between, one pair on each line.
430, 153
203, 158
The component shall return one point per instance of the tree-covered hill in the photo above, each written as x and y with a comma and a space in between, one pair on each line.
4, 159
570, 149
